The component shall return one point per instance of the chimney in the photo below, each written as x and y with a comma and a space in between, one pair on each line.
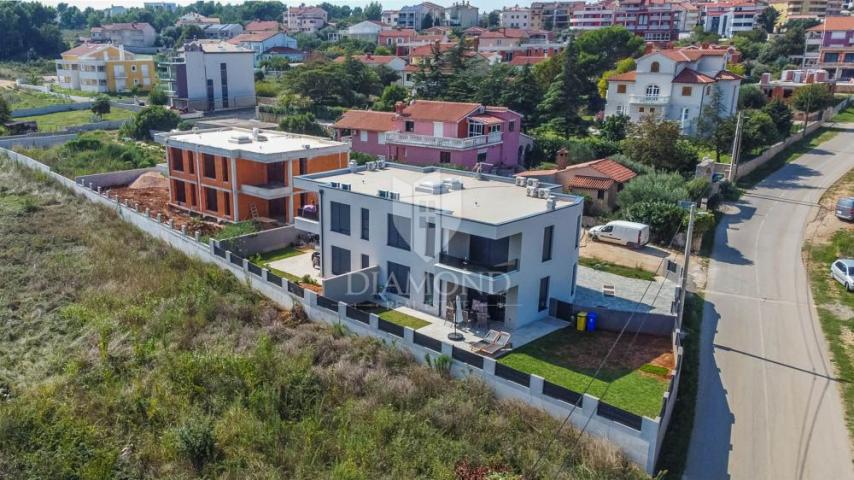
562, 158
704, 45
648, 48
765, 79
398, 108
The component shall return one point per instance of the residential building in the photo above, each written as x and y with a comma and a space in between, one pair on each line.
392, 62
510, 42
92, 67
209, 75
653, 20
292, 55
553, 15
305, 19
389, 17
791, 80
437, 237
398, 40
263, 26
675, 84
433, 133
414, 16
830, 47
592, 16
154, 6
791, 9
461, 14
236, 174
728, 18
223, 31
599, 180
262, 42
368, 31
515, 17
196, 19
114, 11
131, 35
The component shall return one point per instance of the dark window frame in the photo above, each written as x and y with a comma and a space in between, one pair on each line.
394, 237
339, 218
548, 242
341, 260
366, 224
543, 299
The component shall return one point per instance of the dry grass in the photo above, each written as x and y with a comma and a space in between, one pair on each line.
125, 359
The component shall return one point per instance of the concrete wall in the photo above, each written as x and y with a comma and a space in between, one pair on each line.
262, 242
63, 107
35, 140
113, 179
353, 287
640, 446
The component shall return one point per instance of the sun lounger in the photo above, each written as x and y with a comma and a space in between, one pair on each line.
486, 341
500, 344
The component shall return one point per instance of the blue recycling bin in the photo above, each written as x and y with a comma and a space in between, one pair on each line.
591, 321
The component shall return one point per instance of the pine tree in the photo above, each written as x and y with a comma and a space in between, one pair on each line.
522, 95
563, 99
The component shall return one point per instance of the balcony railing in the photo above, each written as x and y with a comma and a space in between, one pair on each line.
309, 214
650, 99
443, 142
475, 267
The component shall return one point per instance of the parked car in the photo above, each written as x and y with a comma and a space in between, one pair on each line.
632, 234
845, 208
843, 271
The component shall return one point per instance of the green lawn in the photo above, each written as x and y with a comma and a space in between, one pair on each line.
790, 154
845, 116
621, 270
22, 99
401, 319
61, 120
279, 254
570, 358
726, 157
236, 230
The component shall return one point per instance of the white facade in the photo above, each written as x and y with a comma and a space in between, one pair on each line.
462, 15
515, 17
438, 233
389, 17
728, 19
211, 76
674, 85
305, 19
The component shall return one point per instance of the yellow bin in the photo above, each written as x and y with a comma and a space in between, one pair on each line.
581, 321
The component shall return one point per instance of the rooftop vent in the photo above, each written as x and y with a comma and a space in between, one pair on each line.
550, 202
241, 139
353, 166
456, 183
432, 187
520, 181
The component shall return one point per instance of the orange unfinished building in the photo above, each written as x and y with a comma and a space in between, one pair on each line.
234, 174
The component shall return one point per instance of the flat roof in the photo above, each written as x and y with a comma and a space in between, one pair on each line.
486, 199
276, 145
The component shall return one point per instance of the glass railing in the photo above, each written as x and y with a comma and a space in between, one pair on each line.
478, 267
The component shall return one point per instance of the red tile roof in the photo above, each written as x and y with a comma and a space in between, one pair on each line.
369, 59
486, 119
607, 167
262, 26
690, 54
727, 75
692, 76
537, 173
397, 33
429, 50
834, 23
439, 111
252, 37
624, 77
521, 60
594, 183
85, 49
366, 120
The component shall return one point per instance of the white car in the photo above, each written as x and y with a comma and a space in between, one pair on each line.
843, 271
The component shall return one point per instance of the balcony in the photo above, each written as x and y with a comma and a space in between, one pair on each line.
267, 191
650, 99
415, 140
483, 269
307, 220
491, 279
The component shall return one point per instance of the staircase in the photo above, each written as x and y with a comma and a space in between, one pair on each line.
253, 210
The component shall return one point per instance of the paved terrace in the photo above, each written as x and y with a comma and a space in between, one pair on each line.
628, 292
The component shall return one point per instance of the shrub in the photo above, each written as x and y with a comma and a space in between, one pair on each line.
196, 442
664, 219
698, 188
362, 158
150, 118
303, 123
101, 105
157, 97
655, 187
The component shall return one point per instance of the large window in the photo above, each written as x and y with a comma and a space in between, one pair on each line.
548, 233
211, 200
208, 166
831, 57
180, 192
430, 240
428, 289
399, 231
366, 224
475, 129
543, 302
340, 260
224, 167
444, 157
366, 261
398, 279
339, 218
652, 91
177, 160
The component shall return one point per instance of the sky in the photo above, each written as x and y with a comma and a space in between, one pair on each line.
484, 5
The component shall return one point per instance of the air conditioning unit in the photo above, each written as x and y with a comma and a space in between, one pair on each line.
383, 193
335, 185
346, 187
520, 181
533, 182
532, 192
372, 166
381, 163
394, 195
543, 192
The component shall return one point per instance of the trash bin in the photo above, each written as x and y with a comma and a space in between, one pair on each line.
591, 321
580, 321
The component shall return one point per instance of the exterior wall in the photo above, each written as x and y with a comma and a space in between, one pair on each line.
241, 79
515, 18
373, 145
138, 73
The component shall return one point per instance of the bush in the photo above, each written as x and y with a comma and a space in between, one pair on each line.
362, 158
101, 105
666, 188
302, 123
698, 188
157, 97
150, 118
196, 442
664, 219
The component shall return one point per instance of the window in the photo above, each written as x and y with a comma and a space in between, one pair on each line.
654, 67
177, 160
340, 260
399, 229
210, 92
409, 126
572, 284
686, 91
543, 301
224, 165
511, 126
363, 135
444, 157
849, 58
641, 109
208, 166
428, 289
227, 200
211, 200
578, 231
475, 129
652, 91
600, 194
133, 68
619, 110
193, 196
621, 88
398, 279
684, 118
223, 79
303, 166
366, 261
548, 234
831, 57
430, 241
180, 192
366, 224
192, 163
481, 157
339, 218
651, 109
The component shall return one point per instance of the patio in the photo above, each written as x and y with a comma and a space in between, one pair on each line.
298, 265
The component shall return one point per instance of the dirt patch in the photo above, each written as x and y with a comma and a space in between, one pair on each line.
156, 200
149, 180
585, 350
825, 223
648, 258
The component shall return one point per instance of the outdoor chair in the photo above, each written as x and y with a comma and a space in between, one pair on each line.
500, 344
486, 341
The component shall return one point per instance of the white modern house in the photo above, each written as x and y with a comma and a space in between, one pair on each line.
675, 84
262, 42
515, 17
429, 235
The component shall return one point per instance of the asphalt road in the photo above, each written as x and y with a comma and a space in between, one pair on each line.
768, 406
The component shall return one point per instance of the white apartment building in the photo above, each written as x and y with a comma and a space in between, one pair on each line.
389, 17
433, 234
461, 14
210, 75
515, 17
304, 19
131, 35
674, 84
728, 18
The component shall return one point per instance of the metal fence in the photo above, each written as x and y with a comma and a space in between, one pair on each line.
562, 393
327, 303
510, 373
467, 357
427, 342
619, 415
358, 315
392, 328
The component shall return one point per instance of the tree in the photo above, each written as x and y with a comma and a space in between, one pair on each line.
157, 97
758, 131
623, 66
600, 49
522, 95
302, 123
665, 187
664, 219
493, 19
561, 103
373, 11
767, 19
812, 98
658, 143
101, 105
781, 114
713, 128
750, 96
150, 118
5, 111
426, 21
190, 33
614, 127
391, 95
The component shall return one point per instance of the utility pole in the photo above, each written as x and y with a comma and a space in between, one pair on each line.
684, 287
736, 147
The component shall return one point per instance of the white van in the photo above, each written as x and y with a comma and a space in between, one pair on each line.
633, 234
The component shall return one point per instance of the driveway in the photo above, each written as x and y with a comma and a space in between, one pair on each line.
768, 405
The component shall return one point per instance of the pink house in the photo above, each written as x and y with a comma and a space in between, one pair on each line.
430, 133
